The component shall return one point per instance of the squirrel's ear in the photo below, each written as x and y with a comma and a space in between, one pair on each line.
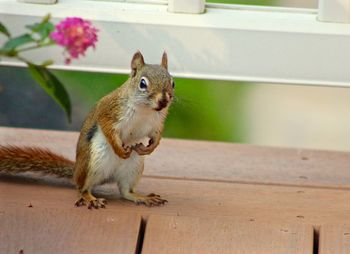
136, 63
165, 60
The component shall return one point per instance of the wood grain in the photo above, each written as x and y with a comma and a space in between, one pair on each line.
215, 161
208, 181
62, 142
175, 235
334, 238
261, 203
37, 230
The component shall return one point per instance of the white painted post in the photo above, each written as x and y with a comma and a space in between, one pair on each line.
186, 6
334, 11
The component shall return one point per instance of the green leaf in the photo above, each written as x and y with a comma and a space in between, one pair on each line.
46, 63
17, 41
43, 29
4, 30
52, 86
47, 17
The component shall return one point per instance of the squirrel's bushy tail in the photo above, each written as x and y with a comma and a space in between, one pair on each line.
15, 159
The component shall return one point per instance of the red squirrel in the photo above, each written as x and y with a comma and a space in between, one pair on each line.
110, 143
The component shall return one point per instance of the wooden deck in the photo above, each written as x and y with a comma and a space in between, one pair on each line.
223, 198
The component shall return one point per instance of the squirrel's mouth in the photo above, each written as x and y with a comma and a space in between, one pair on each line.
162, 104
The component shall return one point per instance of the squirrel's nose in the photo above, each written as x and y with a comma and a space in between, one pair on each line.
162, 101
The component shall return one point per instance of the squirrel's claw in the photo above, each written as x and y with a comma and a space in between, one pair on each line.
153, 195
95, 203
80, 202
143, 150
126, 152
151, 200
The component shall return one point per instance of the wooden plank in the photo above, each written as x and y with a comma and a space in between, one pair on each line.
63, 142
38, 230
262, 203
215, 161
334, 238
175, 235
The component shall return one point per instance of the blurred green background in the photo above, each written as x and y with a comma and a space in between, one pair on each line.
209, 110
201, 110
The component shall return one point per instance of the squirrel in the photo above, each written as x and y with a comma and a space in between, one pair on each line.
110, 145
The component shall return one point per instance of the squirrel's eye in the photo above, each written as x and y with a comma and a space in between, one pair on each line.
143, 84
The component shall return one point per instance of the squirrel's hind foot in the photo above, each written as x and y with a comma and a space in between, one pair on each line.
149, 200
91, 202
154, 200
97, 203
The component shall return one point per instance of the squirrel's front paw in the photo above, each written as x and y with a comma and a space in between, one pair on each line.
143, 150
125, 153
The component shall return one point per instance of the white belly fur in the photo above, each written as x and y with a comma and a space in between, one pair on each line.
105, 164
104, 161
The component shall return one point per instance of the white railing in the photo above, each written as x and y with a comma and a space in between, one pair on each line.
334, 11
226, 42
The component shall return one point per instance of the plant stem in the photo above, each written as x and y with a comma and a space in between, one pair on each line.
22, 59
36, 47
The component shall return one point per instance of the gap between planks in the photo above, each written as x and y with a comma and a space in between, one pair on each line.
141, 235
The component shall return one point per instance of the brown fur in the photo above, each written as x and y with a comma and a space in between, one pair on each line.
106, 118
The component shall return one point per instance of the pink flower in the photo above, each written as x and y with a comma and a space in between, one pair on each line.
76, 35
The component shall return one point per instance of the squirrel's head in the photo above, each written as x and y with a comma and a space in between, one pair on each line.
152, 84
